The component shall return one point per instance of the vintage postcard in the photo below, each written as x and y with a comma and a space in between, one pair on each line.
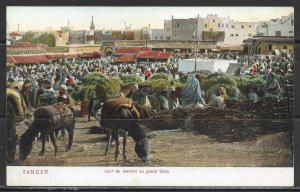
150, 96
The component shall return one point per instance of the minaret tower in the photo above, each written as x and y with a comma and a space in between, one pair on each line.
91, 34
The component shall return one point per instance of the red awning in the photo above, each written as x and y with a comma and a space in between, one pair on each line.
154, 55
164, 55
81, 55
97, 54
125, 59
55, 56
28, 59
71, 56
88, 52
147, 54
91, 54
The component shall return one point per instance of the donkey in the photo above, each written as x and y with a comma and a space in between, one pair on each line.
48, 119
118, 115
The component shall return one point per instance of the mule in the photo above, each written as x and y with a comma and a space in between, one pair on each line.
48, 119
117, 115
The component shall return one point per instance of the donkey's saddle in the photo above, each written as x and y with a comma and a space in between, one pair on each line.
111, 106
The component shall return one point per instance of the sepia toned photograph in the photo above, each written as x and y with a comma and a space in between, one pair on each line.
153, 92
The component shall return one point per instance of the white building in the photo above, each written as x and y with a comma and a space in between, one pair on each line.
159, 34
277, 27
215, 23
236, 32
15, 36
262, 28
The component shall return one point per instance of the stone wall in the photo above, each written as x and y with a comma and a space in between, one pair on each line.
78, 37
61, 38
183, 29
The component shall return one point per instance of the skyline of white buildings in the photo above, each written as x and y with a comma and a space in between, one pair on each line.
234, 31
210, 28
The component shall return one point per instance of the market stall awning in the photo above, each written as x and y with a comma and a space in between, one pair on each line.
154, 55
147, 54
164, 55
28, 59
97, 54
55, 56
92, 54
82, 55
71, 56
125, 59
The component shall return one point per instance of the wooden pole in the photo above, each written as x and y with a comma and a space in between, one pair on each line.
195, 51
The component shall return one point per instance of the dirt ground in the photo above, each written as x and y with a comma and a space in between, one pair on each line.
168, 148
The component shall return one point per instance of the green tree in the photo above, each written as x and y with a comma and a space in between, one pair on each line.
29, 37
48, 39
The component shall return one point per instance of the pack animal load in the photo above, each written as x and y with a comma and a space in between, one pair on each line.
57, 114
47, 121
110, 107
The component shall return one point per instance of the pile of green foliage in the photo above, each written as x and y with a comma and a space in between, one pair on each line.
247, 82
162, 81
211, 75
131, 79
105, 87
92, 78
214, 82
108, 88
157, 84
87, 85
178, 84
162, 76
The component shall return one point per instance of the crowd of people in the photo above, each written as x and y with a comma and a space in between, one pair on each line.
78, 68
45, 84
51, 82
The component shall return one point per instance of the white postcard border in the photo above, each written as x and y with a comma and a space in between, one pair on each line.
149, 176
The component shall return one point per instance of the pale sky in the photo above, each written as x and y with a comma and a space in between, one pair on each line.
40, 18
